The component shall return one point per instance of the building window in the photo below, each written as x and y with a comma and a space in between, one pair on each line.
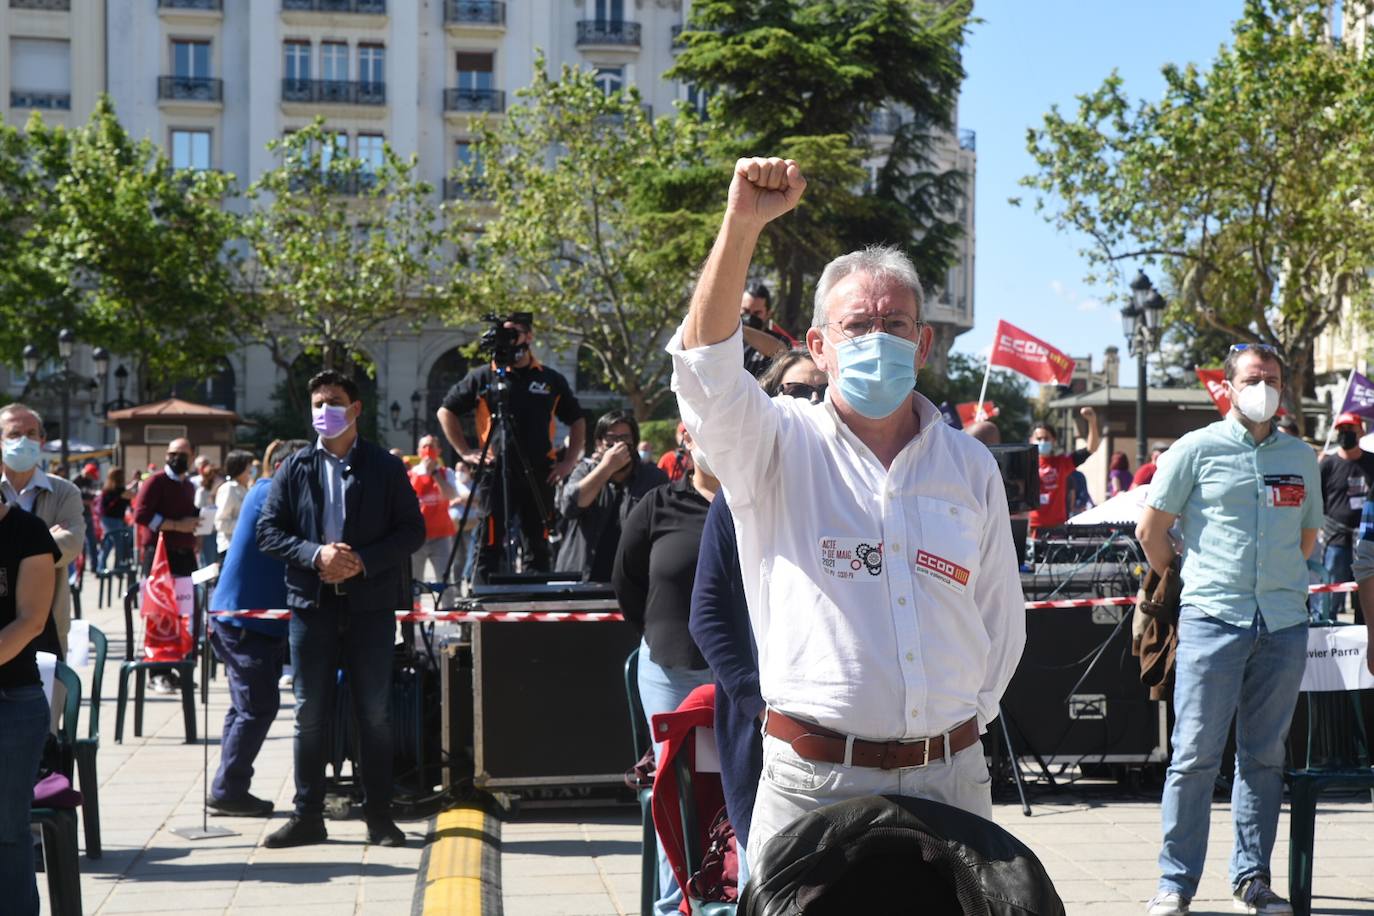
475, 72
334, 61
610, 79
191, 149
371, 64
697, 99
298, 61
40, 73
610, 10
191, 59
335, 144
370, 152
466, 156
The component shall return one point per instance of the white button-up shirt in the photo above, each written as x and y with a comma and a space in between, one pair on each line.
885, 603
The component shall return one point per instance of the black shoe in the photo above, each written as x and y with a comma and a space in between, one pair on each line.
384, 832
248, 806
299, 831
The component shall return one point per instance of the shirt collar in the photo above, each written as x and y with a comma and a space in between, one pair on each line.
39, 480
1235, 430
927, 412
319, 444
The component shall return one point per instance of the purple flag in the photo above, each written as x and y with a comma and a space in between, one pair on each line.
1359, 396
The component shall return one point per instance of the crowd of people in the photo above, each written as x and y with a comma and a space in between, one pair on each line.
820, 545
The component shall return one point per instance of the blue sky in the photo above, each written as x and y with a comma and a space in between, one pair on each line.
1026, 56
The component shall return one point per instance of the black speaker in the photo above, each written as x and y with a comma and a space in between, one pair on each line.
1076, 697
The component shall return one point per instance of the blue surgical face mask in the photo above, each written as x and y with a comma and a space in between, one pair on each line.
876, 372
22, 454
1045, 446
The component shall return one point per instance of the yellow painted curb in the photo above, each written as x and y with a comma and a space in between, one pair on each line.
463, 874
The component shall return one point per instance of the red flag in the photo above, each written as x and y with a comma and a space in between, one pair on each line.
1030, 356
1214, 380
968, 412
166, 637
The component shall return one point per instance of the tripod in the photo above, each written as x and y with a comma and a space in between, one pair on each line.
502, 432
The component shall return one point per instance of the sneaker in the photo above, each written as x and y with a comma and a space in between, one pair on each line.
385, 833
1256, 896
1167, 903
286, 681
248, 806
299, 831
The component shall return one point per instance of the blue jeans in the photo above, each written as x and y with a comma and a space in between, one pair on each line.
252, 666
1337, 562
323, 640
1223, 671
24, 721
663, 690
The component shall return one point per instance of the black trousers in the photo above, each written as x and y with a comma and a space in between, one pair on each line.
529, 500
182, 562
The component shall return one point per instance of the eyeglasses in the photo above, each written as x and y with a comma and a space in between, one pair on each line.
1263, 348
813, 393
627, 440
858, 325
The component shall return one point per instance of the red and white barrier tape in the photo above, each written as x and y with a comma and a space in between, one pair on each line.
584, 617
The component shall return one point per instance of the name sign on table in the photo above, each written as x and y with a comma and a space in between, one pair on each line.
1336, 659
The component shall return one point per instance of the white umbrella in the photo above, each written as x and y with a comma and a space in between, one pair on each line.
1122, 508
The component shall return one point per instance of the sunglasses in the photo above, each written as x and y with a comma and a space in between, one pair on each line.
813, 393
1263, 348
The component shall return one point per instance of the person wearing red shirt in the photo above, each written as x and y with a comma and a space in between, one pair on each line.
1146, 472
1055, 470
434, 487
677, 463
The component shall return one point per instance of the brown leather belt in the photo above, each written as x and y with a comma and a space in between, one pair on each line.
812, 742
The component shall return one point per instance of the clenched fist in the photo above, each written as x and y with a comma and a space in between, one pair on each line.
764, 189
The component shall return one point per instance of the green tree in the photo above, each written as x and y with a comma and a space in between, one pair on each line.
340, 249
804, 79
961, 384
114, 244
1249, 180
585, 221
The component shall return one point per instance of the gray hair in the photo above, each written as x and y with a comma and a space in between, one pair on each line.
16, 407
882, 261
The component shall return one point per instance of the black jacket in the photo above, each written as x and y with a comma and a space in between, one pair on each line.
894, 854
382, 523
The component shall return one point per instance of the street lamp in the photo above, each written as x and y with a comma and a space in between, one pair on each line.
1141, 319
101, 357
413, 424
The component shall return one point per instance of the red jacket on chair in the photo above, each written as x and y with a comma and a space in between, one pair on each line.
678, 730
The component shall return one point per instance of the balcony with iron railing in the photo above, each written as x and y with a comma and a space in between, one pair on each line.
478, 101
343, 184
335, 92
615, 33
481, 13
190, 89
366, 7
463, 188
56, 5
208, 6
968, 140
30, 99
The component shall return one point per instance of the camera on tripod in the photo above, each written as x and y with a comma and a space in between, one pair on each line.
500, 343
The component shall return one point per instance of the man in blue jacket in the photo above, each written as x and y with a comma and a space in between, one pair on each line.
251, 649
343, 517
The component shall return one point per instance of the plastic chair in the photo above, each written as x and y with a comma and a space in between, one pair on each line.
639, 732
57, 820
115, 579
185, 668
1337, 758
86, 748
691, 837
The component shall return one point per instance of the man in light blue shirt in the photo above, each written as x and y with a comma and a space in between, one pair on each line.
1248, 502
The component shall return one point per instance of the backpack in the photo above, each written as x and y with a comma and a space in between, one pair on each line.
717, 880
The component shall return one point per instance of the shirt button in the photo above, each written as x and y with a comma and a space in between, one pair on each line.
914, 713
896, 547
953, 511
901, 601
911, 656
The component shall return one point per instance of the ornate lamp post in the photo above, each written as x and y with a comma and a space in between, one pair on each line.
1140, 320
414, 424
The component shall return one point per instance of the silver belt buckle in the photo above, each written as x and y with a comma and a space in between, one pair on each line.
338, 588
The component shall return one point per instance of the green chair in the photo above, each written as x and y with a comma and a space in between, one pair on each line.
639, 732
1337, 758
185, 668
57, 821
115, 579
86, 748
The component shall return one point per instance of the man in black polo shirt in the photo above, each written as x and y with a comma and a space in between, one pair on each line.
536, 396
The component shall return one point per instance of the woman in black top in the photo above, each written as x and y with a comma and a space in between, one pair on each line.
111, 505
654, 570
27, 579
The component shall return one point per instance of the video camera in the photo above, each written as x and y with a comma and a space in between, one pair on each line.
499, 342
